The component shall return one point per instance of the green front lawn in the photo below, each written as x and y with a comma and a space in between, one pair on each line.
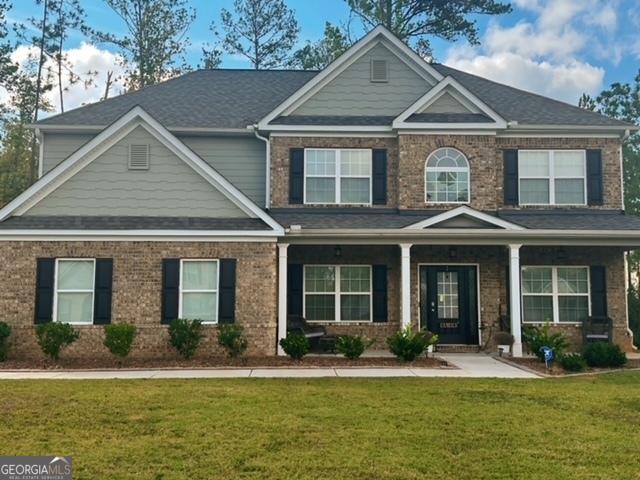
406, 428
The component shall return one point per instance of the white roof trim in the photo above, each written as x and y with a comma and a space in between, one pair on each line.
41, 235
361, 47
466, 212
135, 117
451, 85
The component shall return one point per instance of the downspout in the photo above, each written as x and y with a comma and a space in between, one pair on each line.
267, 201
39, 138
625, 136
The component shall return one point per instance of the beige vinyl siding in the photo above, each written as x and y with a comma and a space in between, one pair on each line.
170, 188
353, 93
241, 160
58, 146
447, 104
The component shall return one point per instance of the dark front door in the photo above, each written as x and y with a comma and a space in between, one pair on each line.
449, 303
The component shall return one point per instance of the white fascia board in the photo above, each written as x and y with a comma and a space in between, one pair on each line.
438, 127
330, 128
356, 51
389, 134
110, 136
237, 236
467, 236
559, 134
430, 130
467, 212
433, 94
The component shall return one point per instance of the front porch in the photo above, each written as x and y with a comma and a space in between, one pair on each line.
464, 293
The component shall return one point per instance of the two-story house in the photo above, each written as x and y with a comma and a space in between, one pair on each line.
380, 192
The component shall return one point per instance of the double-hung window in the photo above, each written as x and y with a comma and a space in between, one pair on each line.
557, 294
199, 290
337, 176
337, 293
552, 177
74, 290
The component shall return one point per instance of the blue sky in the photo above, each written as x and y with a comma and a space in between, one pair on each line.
558, 48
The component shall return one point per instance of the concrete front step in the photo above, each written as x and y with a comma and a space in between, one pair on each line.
458, 348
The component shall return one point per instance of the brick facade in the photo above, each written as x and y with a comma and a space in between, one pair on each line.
407, 155
137, 288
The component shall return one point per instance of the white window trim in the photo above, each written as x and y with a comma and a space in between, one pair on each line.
552, 178
216, 291
428, 169
555, 294
92, 290
338, 175
338, 294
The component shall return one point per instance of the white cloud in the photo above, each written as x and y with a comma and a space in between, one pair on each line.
84, 59
562, 82
546, 51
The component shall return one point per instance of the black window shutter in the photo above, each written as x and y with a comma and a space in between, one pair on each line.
103, 291
294, 287
227, 291
511, 177
296, 175
170, 289
44, 289
594, 177
379, 177
379, 293
598, 290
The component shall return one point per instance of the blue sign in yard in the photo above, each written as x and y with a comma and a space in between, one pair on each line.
548, 353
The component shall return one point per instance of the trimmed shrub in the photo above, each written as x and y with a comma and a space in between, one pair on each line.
53, 337
572, 362
604, 355
118, 338
537, 338
5, 345
231, 338
185, 335
352, 346
408, 345
296, 345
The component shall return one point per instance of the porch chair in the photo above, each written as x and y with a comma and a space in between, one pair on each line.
597, 329
297, 324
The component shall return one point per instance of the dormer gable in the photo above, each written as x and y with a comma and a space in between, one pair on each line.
465, 218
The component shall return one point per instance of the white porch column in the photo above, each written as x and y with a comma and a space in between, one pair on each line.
405, 302
514, 289
282, 294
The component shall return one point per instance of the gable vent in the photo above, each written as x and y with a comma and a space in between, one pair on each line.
379, 71
138, 157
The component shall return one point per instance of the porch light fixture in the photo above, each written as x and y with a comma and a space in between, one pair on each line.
338, 251
453, 252
561, 254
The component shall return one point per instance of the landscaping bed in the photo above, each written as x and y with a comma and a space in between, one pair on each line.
311, 361
536, 365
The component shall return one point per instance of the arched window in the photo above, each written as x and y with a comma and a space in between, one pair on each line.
447, 177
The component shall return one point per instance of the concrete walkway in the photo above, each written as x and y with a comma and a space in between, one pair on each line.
469, 365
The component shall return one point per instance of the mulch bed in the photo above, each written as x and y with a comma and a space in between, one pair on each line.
538, 366
219, 362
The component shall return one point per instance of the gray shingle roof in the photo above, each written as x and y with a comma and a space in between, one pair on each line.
130, 223
449, 118
572, 220
200, 99
524, 107
237, 98
333, 120
392, 219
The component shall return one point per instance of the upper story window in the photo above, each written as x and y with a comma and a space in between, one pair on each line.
337, 176
552, 177
447, 177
